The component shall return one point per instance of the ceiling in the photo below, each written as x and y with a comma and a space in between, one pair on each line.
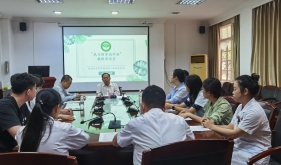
147, 9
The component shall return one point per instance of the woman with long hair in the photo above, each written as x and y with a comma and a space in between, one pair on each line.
43, 133
195, 100
217, 108
249, 126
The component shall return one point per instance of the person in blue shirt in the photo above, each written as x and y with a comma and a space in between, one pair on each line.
178, 93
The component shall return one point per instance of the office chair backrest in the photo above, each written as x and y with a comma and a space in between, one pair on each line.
36, 158
217, 152
268, 91
276, 139
270, 111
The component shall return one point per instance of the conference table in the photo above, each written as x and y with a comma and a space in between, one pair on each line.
116, 106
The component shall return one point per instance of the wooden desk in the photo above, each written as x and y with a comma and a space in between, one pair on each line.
108, 154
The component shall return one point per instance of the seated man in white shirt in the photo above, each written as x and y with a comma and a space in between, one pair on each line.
65, 83
107, 88
154, 128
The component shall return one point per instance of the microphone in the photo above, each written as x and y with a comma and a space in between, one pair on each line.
113, 96
82, 122
114, 124
128, 103
138, 108
99, 103
101, 98
130, 109
98, 110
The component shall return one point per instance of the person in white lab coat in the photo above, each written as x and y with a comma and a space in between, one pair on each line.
154, 128
249, 126
43, 133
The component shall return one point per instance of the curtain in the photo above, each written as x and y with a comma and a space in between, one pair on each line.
214, 40
236, 48
266, 47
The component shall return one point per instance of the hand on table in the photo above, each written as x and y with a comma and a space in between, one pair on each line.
66, 117
184, 114
208, 123
67, 111
168, 106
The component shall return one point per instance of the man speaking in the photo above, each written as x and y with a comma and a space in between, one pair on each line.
107, 88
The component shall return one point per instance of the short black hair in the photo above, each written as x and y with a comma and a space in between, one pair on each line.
65, 78
213, 86
21, 82
186, 73
180, 74
154, 97
249, 82
104, 74
39, 80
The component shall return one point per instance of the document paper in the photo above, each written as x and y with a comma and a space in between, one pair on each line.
199, 128
107, 137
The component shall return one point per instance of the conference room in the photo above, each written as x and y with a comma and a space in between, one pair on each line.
140, 43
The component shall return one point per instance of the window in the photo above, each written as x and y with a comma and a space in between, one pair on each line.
226, 44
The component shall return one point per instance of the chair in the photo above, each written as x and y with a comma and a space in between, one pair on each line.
193, 152
266, 153
268, 91
231, 89
275, 151
35, 158
258, 94
270, 111
49, 82
225, 87
276, 101
232, 102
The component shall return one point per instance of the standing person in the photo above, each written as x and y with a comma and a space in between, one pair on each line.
153, 129
107, 87
217, 108
13, 110
178, 93
62, 87
43, 134
249, 126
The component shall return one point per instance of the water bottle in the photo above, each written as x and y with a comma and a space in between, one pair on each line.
81, 103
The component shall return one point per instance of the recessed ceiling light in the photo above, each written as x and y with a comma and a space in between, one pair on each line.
190, 2
57, 12
49, 1
114, 12
121, 1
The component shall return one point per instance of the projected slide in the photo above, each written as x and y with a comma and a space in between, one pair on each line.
124, 57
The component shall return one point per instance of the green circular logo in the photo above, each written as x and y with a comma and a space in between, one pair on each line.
105, 46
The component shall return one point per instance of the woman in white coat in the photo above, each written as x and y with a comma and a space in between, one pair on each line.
43, 133
249, 126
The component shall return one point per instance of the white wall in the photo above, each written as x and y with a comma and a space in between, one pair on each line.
6, 49
41, 44
245, 12
182, 38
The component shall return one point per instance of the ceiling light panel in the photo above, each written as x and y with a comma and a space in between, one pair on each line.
121, 1
49, 1
190, 2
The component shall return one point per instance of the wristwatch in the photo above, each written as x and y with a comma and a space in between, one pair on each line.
173, 107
